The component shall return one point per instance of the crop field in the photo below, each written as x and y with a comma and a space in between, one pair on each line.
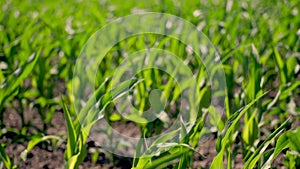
150, 84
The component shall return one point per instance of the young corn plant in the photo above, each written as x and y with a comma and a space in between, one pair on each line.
10, 85
5, 159
82, 122
224, 142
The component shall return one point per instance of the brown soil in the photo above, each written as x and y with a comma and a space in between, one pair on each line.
46, 156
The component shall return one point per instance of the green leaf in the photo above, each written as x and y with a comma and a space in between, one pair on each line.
250, 130
250, 163
36, 140
280, 64
215, 118
138, 152
286, 92
217, 163
115, 117
281, 144
291, 64
229, 128
72, 161
72, 134
13, 81
162, 162
294, 138
4, 157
